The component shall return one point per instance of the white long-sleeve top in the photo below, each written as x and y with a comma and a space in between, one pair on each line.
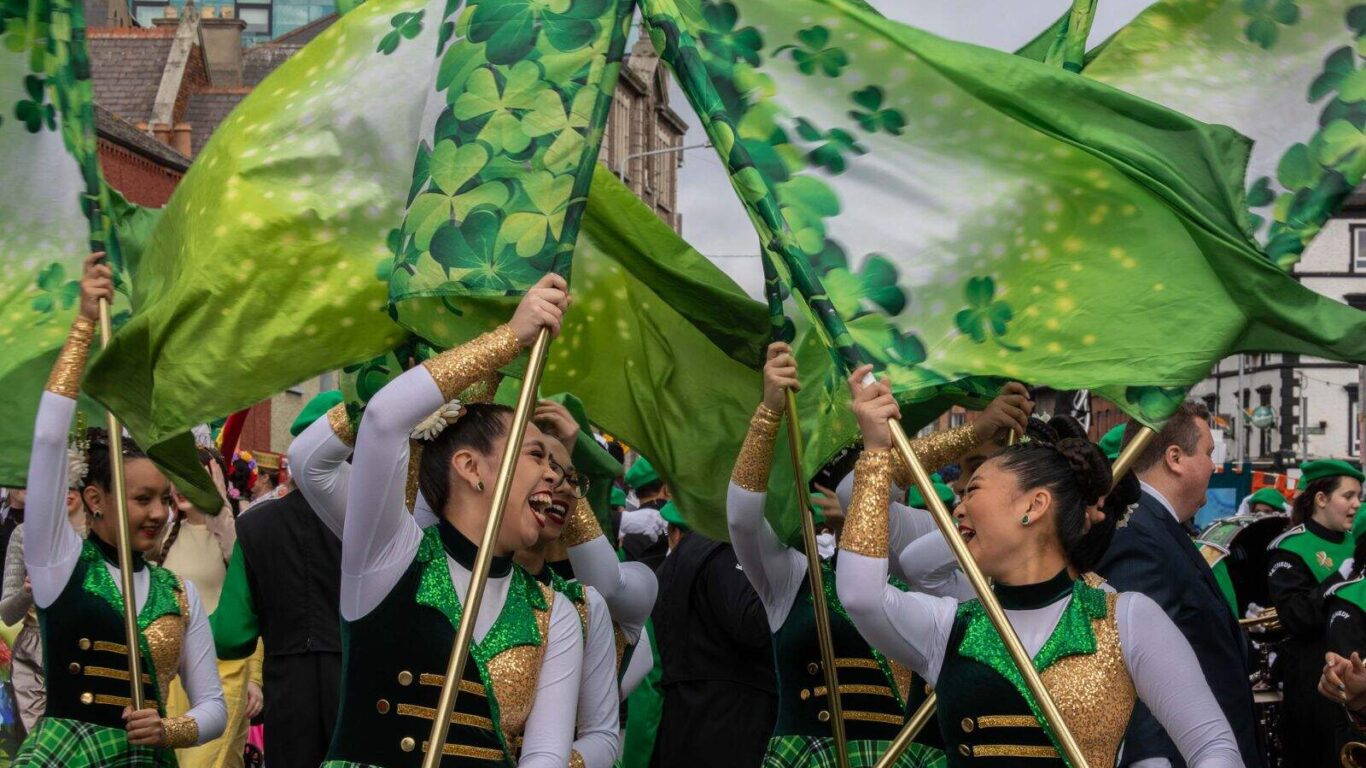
52, 548
638, 666
930, 567
317, 462
914, 628
599, 717
629, 588
380, 539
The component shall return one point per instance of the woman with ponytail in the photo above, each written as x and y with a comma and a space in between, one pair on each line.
1025, 517
89, 720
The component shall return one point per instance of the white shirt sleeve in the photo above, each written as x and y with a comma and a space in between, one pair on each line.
199, 671
904, 524
638, 667
599, 717
773, 569
550, 727
1167, 676
930, 567
317, 461
380, 537
628, 589
906, 626
51, 545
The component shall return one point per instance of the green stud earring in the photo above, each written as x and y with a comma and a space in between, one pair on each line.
1025, 520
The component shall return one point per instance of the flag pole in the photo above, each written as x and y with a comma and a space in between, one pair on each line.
813, 572
1123, 463
435, 746
125, 542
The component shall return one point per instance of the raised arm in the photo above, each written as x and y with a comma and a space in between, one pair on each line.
628, 589
208, 713
929, 566
550, 728
599, 722
317, 460
1168, 680
17, 597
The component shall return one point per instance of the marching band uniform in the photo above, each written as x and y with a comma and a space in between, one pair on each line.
1096, 650
80, 608
1346, 611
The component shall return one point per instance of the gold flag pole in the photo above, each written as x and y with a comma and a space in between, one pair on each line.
125, 541
922, 715
435, 746
813, 571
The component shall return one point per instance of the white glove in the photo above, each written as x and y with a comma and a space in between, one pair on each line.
1346, 569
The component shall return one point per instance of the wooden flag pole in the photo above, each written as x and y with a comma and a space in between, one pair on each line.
125, 541
813, 572
922, 715
435, 746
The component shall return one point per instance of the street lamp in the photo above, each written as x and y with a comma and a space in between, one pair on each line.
626, 162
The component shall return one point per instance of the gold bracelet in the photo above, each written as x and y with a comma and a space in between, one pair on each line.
341, 424
65, 379
865, 523
179, 732
581, 526
456, 369
756, 454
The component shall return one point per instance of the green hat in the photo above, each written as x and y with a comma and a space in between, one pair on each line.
642, 472
1268, 496
316, 409
671, 514
1317, 470
945, 493
1113, 442
618, 498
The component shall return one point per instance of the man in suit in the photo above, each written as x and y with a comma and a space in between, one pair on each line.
1152, 553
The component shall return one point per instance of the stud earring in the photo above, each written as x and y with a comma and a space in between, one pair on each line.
479, 486
1025, 520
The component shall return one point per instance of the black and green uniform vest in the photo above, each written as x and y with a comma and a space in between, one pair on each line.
987, 715
1322, 556
394, 661
871, 688
85, 651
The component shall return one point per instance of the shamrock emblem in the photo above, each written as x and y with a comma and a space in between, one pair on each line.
812, 55
33, 111
873, 286
985, 316
512, 28
873, 117
1267, 18
1340, 75
723, 40
835, 143
55, 290
471, 254
406, 26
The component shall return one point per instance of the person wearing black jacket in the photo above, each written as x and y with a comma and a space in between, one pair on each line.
720, 696
1152, 553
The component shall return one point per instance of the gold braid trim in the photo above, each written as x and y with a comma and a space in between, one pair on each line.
865, 523
581, 526
65, 379
756, 455
935, 452
179, 732
456, 369
341, 424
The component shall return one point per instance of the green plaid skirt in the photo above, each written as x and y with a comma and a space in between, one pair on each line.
61, 743
819, 752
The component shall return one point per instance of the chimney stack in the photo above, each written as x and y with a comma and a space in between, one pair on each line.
162, 132
180, 140
221, 39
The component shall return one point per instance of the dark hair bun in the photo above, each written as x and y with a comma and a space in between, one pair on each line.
1066, 426
1090, 466
1040, 431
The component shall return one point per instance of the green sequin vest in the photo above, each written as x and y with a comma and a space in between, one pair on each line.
871, 690
394, 661
1323, 557
85, 651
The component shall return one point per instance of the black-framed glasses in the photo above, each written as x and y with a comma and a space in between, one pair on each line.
579, 482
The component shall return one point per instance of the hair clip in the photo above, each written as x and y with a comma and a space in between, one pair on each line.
432, 426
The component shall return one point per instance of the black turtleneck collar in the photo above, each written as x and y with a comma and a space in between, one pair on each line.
1336, 537
563, 568
111, 553
1028, 597
463, 551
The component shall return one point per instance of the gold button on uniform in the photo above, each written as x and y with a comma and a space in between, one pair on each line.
74, 668
87, 698
965, 750
408, 744
84, 643
405, 678
382, 706
823, 716
813, 668
968, 725
805, 694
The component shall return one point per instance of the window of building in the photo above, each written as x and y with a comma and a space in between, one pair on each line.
145, 13
957, 418
1353, 422
258, 19
1358, 248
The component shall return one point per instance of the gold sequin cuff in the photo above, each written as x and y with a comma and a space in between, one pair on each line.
456, 369
935, 452
179, 732
581, 526
756, 455
865, 523
341, 424
65, 379
576, 760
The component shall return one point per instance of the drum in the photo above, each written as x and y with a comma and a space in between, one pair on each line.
1240, 543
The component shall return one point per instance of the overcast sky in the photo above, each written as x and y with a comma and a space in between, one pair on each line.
713, 221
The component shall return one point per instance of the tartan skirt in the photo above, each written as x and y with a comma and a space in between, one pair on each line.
61, 743
819, 752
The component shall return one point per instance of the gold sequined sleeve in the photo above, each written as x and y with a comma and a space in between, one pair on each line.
455, 370
576, 760
756, 454
341, 424
179, 732
935, 452
65, 379
865, 523
581, 526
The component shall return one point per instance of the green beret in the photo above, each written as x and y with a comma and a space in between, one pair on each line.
1113, 442
1268, 496
618, 498
642, 472
1317, 470
671, 514
945, 493
316, 409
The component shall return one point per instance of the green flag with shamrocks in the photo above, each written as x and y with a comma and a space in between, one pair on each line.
961, 216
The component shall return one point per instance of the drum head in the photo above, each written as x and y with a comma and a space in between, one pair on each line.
1248, 559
